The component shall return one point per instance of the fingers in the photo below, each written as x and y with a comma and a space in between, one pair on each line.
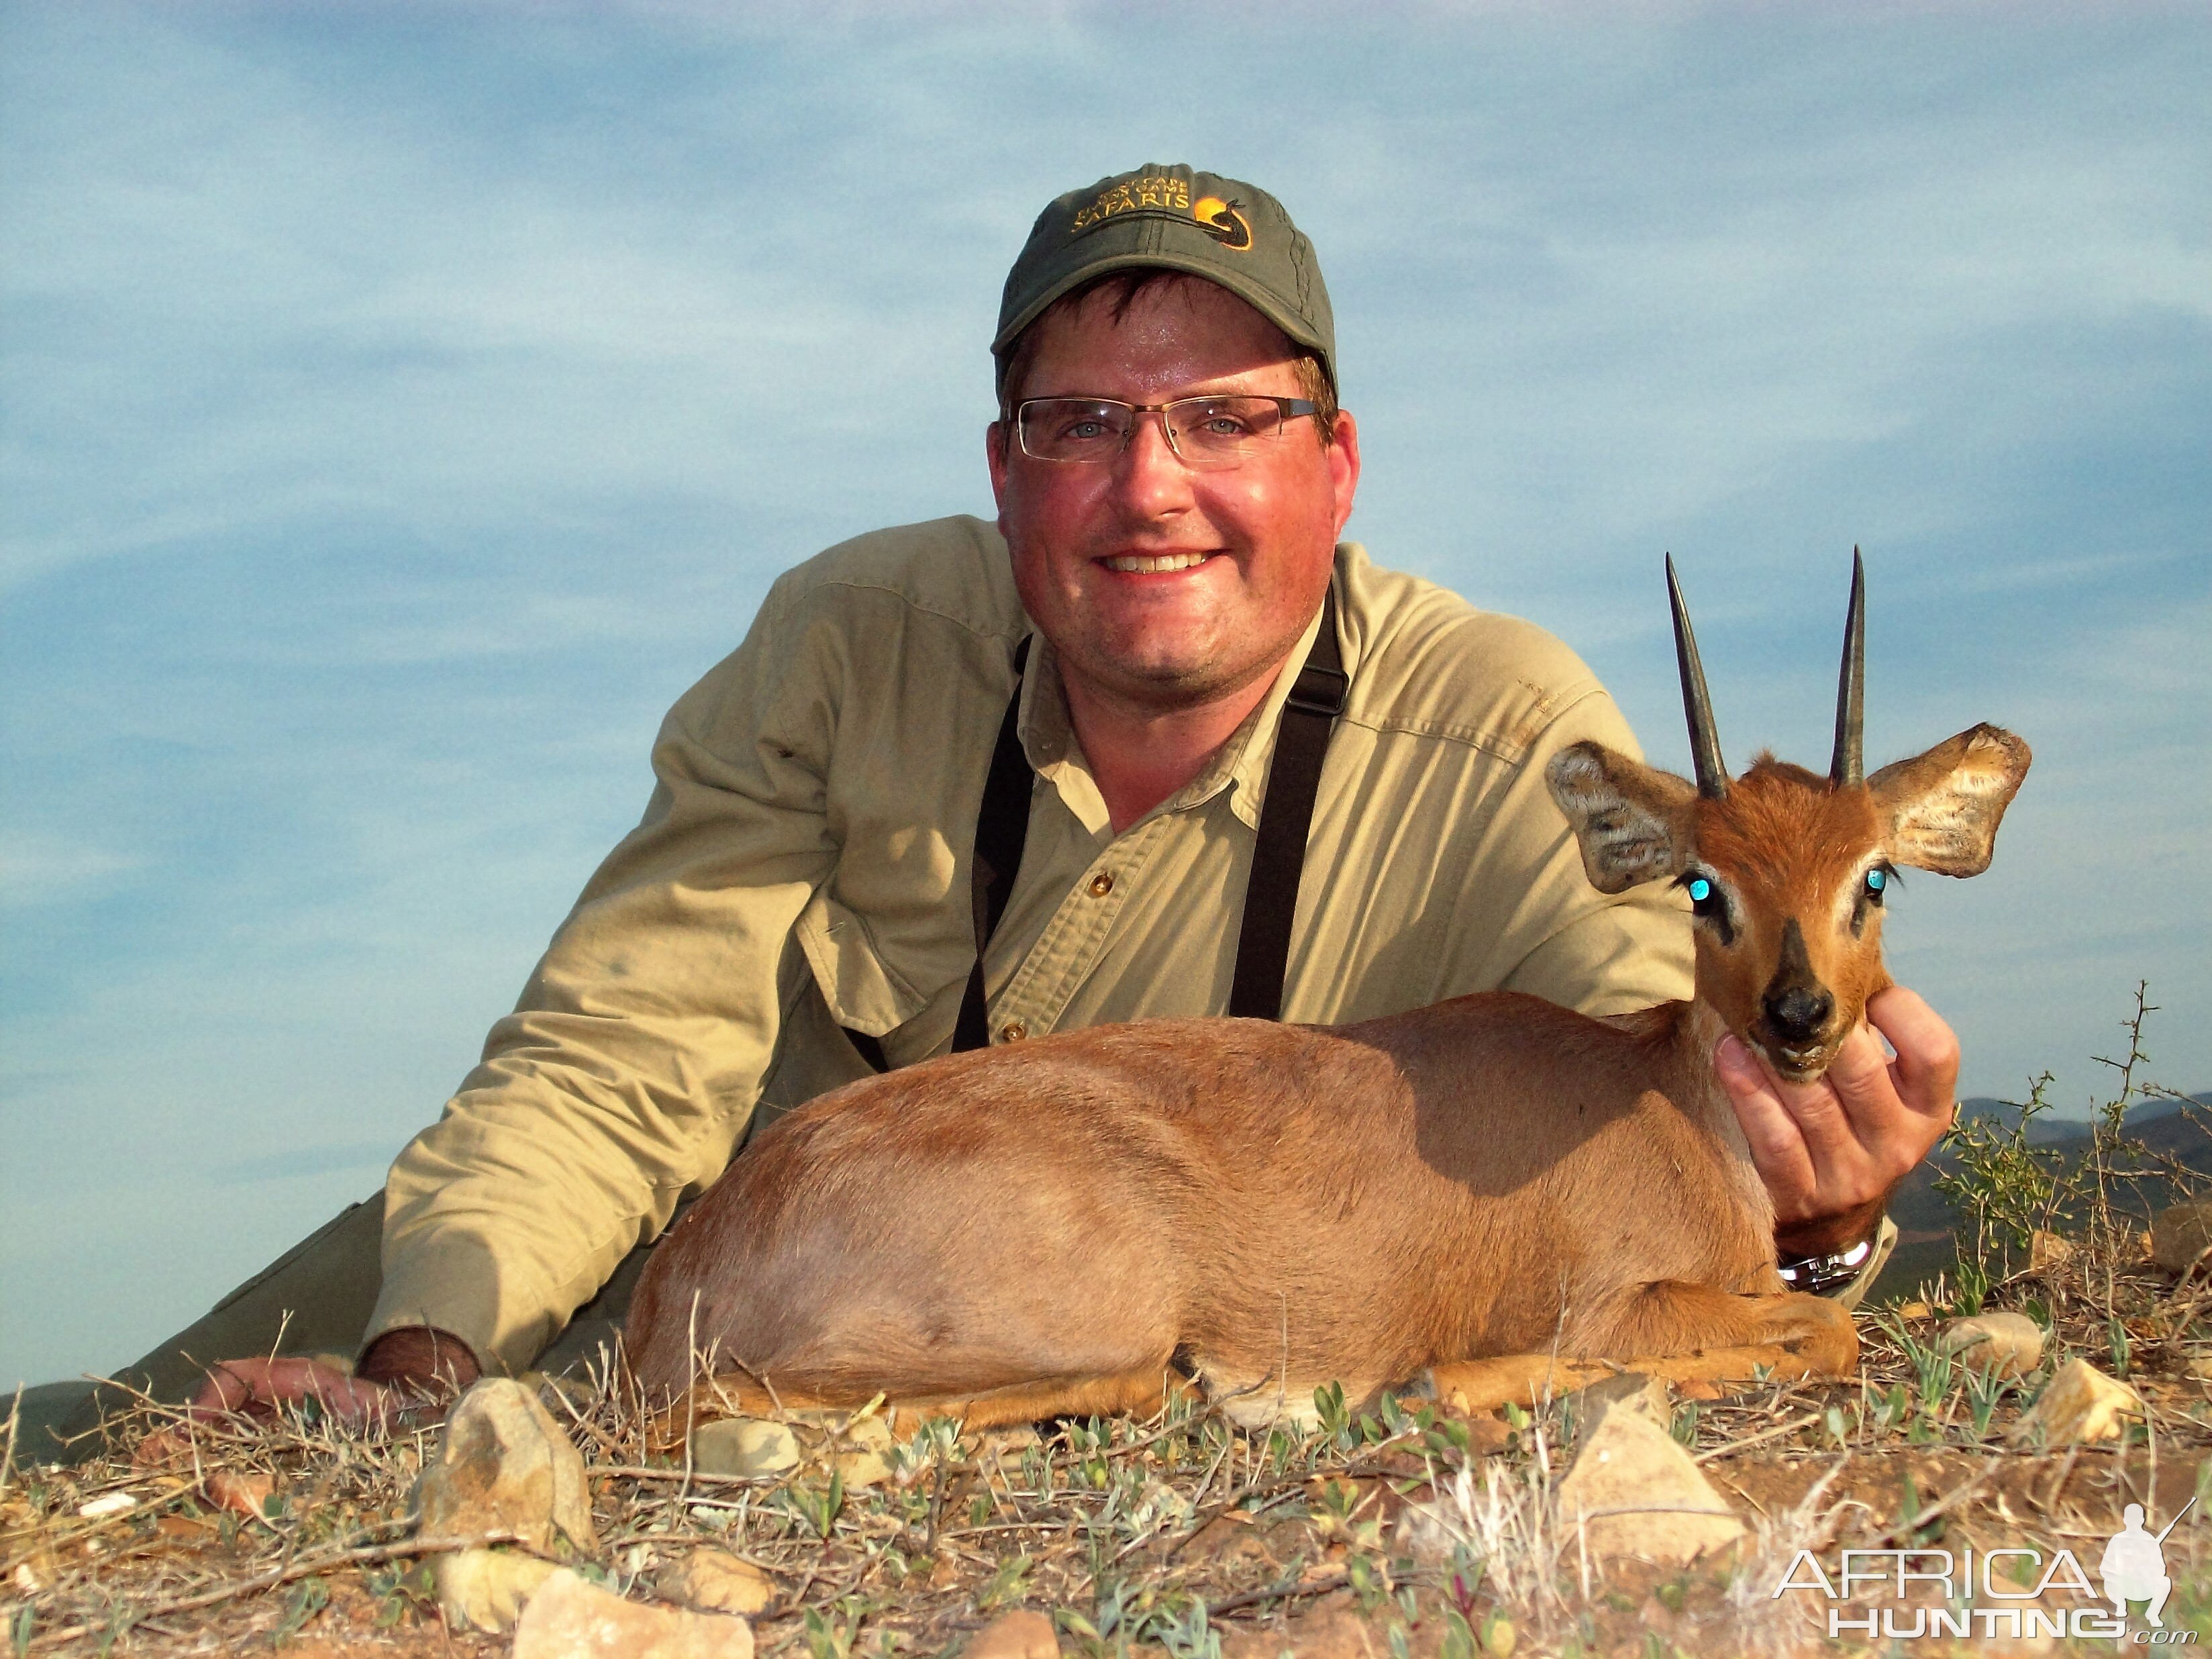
1926, 1065
258, 1388
1778, 1147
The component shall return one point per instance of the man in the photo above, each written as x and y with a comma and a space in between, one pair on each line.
1172, 475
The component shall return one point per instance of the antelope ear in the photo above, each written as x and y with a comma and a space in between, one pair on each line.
1632, 821
1942, 808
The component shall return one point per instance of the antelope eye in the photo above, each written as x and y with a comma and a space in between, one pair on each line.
1878, 881
1707, 904
1704, 897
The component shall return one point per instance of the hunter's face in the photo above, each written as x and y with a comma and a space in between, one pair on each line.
1160, 585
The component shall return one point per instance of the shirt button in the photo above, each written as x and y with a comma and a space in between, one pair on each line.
1012, 1031
1101, 884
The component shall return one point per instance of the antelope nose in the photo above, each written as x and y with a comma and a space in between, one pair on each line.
1799, 1012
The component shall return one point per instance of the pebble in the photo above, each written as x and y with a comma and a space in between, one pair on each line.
1635, 1492
486, 1590
570, 1619
2078, 1405
2009, 1344
750, 1448
1025, 1634
714, 1581
2179, 1235
504, 1465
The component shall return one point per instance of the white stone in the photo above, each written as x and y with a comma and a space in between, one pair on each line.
504, 1466
1025, 1634
2180, 1234
714, 1581
2009, 1344
2080, 1405
569, 1619
1633, 1490
486, 1590
751, 1448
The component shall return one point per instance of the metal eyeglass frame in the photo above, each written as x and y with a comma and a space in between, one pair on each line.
1291, 409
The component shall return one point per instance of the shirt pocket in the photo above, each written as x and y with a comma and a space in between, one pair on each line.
864, 990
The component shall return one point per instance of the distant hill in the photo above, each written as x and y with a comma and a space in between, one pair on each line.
1925, 1220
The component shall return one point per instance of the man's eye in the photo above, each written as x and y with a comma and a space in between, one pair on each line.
1083, 431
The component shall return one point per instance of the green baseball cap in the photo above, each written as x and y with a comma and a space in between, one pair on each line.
1178, 219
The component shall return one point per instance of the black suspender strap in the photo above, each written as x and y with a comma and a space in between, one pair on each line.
1271, 893
1279, 856
1001, 827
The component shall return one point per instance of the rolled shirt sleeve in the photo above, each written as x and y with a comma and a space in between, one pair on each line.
629, 1070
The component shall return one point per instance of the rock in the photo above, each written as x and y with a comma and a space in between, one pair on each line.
714, 1581
1024, 1634
241, 1494
2009, 1344
1634, 1490
2078, 1405
503, 1465
569, 1619
2180, 1234
1913, 1310
750, 1447
1648, 1396
2047, 1252
486, 1590
864, 1457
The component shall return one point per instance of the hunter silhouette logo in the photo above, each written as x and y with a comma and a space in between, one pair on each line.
1934, 1592
1221, 221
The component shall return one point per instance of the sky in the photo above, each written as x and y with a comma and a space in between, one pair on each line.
401, 404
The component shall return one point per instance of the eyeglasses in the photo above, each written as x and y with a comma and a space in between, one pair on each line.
1207, 433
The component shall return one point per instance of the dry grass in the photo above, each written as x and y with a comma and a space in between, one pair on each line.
1402, 1532
1180, 1534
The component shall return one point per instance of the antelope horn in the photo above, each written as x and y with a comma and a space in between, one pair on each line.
1697, 701
1848, 769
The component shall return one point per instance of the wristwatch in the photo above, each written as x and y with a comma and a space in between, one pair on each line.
1824, 1275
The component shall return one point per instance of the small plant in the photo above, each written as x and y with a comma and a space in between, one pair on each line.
1009, 1584
1336, 1425
1984, 1388
816, 1508
1186, 1634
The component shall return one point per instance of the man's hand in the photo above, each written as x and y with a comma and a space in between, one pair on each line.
407, 1370
1831, 1151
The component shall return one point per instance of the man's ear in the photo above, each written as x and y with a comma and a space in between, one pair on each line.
1942, 809
994, 457
1632, 821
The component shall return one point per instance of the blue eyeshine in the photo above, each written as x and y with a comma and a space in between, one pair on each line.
1700, 890
1876, 880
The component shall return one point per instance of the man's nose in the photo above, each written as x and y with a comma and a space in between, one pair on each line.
1151, 474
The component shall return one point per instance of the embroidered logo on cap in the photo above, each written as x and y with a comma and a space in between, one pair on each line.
1153, 193
1221, 221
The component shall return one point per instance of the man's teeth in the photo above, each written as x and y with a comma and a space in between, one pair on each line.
1138, 564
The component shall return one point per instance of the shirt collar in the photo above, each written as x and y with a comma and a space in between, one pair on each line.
1240, 764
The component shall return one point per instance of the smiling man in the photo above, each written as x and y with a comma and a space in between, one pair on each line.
1160, 740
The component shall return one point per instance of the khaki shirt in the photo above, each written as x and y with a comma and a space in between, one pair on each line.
804, 864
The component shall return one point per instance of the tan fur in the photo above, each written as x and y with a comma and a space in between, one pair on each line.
1054, 1227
